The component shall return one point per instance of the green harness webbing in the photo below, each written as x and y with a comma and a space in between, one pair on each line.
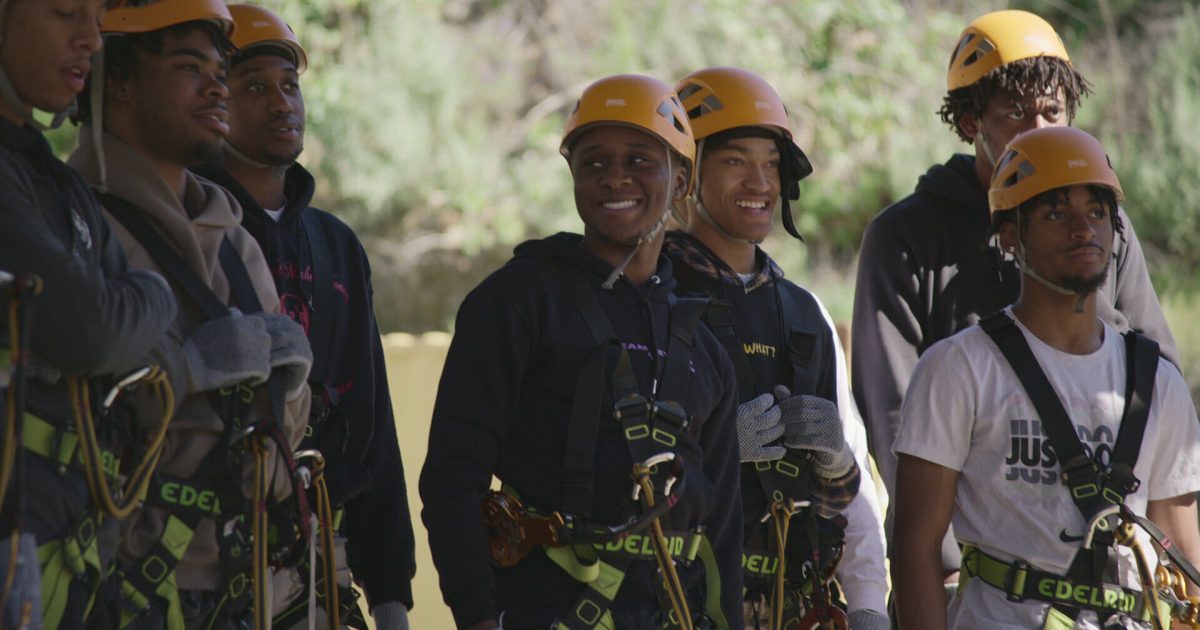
1020, 582
73, 557
649, 427
1094, 485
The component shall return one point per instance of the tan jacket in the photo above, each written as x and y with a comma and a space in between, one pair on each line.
195, 228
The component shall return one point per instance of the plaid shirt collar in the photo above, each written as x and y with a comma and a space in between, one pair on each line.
698, 256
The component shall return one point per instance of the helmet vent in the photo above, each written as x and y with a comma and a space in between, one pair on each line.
962, 46
668, 110
986, 46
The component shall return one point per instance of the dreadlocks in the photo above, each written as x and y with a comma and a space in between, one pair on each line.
1021, 79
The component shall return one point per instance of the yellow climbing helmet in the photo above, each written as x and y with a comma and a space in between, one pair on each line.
723, 98
1000, 38
256, 27
634, 101
1044, 159
145, 18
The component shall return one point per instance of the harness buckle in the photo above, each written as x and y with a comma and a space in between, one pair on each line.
1016, 573
1120, 478
631, 406
671, 412
1079, 470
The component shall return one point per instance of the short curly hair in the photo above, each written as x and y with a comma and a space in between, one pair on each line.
123, 52
1023, 78
1103, 194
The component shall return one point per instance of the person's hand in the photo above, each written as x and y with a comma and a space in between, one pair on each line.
759, 424
290, 352
812, 423
226, 351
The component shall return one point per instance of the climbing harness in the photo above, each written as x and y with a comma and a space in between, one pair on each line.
1097, 487
599, 555
274, 535
787, 482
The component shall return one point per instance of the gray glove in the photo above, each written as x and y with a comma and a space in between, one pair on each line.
758, 424
865, 619
390, 616
813, 424
290, 353
226, 351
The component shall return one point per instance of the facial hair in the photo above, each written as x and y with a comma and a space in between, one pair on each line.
1083, 285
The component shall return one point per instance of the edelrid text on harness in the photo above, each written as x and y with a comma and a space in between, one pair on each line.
244, 550
1096, 487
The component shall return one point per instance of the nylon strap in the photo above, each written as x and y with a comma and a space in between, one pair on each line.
154, 574
65, 560
1020, 582
321, 327
170, 262
1091, 488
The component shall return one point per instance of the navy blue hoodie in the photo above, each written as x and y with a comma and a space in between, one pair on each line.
503, 407
363, 467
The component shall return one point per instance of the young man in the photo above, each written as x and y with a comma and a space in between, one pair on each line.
160, 108
573, 369
925, 268
786, 355
93, 320
1025, 432
324, 283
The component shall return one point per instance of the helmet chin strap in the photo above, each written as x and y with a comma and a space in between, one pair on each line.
695, 204
619, 270
1028, 270
245, 159
24, 110
981, 142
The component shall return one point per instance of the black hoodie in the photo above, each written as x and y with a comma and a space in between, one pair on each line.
503, 408
927, 270
363, 469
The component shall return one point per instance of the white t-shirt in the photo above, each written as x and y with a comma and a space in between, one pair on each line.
966, 410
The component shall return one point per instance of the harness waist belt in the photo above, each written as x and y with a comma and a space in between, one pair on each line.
1020, 581
41, 437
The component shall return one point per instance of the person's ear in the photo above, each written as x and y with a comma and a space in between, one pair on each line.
679, 189
1008, 237
968, 124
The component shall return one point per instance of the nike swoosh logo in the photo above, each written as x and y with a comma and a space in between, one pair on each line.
1067, 538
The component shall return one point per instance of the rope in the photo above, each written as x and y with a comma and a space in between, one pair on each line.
135, 487
259, 536
781, 513
662, 552
1125, 536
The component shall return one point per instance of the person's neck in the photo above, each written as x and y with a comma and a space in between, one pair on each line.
739, 255
1052, 318
265, 184
641, 267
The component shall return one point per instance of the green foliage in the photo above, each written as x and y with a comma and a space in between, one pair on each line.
434, 124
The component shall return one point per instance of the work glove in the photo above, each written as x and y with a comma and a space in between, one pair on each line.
865, 619
758, 424
812, 423
291, 354
390, 616
226, 351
